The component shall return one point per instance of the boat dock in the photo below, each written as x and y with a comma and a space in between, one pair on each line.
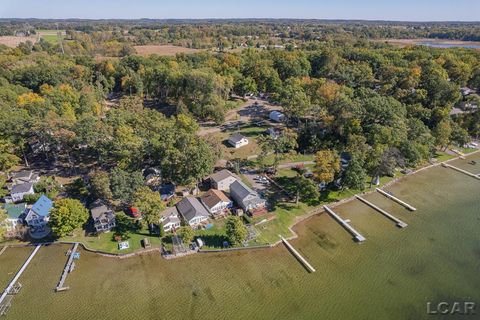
345, 224
297, 255
14, 287
3, 250
403, 203
446, 165
68, 268
399, 222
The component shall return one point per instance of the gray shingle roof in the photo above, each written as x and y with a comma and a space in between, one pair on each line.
190, 208
237, 137
98, 209
221, 175
21, 188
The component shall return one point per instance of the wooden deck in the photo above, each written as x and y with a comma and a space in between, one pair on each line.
68, 268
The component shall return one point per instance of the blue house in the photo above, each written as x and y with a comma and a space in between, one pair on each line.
39, 214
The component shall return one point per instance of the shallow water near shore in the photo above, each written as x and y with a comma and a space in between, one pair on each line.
392, 275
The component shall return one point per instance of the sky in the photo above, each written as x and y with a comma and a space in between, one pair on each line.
399, 10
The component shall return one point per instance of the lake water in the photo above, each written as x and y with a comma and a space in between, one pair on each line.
449, 45
392, 275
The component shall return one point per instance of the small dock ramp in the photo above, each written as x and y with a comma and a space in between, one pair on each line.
69, 267
358, 237
446, 165
297, 255
399, 222
390, 196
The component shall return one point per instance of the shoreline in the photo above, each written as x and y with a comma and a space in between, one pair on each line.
315, 211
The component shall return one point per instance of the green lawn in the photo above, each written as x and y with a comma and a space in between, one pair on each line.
105, 242
51, 38
443, 156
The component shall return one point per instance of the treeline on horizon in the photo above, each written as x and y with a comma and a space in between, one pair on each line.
294, 29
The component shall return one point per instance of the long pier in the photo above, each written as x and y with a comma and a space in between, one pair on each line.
19, 273
297, 255
446, 165
68, 268
347, 226
399, 222
403, 203
3, 250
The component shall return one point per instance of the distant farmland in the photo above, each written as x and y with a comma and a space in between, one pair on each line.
12, 41
162, 50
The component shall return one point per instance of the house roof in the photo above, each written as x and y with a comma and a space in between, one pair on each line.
172, 211
221, 175
24, 174
98, 208
42, 206
213, 197
237, 137
21, 188
190, 208
241, 189
14, 211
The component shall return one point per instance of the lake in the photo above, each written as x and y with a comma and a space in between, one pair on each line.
392, 275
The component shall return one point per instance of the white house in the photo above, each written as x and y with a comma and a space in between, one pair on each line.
18, 191
222, 180
192, 211
216, 202
103, 217
238, 140
170, 219
39, 214
276, 116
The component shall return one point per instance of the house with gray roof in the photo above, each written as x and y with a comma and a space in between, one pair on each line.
192, 211
222, 180
18, 191
24, 176
247, 199
238, 140
103, 217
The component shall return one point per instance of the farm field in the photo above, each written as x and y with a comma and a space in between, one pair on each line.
13, 41
162, 50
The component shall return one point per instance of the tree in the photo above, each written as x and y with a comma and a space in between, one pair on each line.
279, 146
66, 216
327, 165
236, 231
124, 184
148, 202
124, 225
8, 159
187, 234
442, 133
3, 218
306, 189
100, 185
355, 175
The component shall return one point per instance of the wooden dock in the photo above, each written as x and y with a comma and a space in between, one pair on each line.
403, 203
473, 175
297, 255
68, 268
11, 285
3, 250
345, 224
399, 222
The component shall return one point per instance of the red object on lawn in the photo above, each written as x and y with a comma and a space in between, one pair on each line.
134, 212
